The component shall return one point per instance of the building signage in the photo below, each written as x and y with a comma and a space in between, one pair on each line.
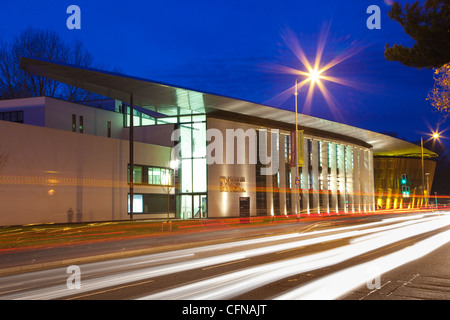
232, 184
297, 149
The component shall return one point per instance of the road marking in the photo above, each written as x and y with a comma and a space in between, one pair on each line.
109, 290
225, 264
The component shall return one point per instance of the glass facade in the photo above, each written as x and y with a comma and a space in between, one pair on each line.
191, 195
191, 171
326, 181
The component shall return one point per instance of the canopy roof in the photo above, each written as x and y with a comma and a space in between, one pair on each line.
166, 99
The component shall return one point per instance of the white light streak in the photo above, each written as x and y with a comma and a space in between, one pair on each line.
369, 236
340, 283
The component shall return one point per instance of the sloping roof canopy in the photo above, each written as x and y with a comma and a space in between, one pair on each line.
165, 99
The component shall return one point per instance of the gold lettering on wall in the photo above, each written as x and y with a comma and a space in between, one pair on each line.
232, 184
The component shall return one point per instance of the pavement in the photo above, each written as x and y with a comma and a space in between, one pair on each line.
427, 278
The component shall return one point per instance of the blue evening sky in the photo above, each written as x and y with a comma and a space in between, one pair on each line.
235, 47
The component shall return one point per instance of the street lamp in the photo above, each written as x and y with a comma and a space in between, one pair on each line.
313, 76
434, 136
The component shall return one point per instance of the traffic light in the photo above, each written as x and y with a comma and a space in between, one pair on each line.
404, 179
404, 185
405, 191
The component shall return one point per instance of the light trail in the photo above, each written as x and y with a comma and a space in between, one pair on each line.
160, 264
340, 283
233, 284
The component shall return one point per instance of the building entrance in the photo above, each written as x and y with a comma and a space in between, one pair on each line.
192, 206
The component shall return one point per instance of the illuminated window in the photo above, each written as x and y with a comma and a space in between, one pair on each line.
156, 176
137, 174
287, 148
138, 203
320, 154
159, 176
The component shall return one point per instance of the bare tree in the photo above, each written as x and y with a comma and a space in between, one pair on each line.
42, 44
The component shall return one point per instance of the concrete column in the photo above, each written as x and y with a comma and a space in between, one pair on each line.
282, 172
350, 178
304, 178
356, 179
371, 181
315, 208
333, 176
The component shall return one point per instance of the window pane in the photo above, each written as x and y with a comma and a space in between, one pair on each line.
199, 139
167, 120
147, 120
137, 174
198, 118
186, 175
185, 137
138, 203
185, 119
199, 172
150, 175
156, 176
166, 177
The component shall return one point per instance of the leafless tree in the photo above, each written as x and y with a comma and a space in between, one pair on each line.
42, 44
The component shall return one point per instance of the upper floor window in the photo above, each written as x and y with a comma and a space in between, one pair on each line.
12, 116
151, 175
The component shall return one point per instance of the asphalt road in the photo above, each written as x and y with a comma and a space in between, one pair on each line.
401, 257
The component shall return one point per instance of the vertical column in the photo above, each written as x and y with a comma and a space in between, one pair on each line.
333, 176
365, 180
268, 177
371, 181
340, 165
282, 173
131, 155
324, 177
315, 208
356, 180
304, 178
350, 178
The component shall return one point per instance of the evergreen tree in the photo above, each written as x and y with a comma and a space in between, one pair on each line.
429, 26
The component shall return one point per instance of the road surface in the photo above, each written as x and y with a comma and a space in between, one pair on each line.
361, 259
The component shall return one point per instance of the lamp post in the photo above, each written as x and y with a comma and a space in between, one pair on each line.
296, 146
314, 76
428, 191
434, 136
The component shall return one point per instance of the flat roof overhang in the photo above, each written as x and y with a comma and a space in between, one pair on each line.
164, 98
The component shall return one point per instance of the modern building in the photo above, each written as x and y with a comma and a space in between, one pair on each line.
193, 154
